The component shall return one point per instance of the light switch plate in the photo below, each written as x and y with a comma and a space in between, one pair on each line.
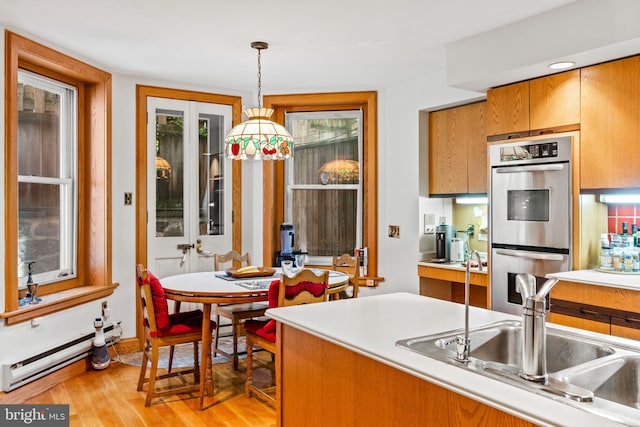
128, 198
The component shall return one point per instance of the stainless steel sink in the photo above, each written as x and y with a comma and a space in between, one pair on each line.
601, 376
616, 380
500, 343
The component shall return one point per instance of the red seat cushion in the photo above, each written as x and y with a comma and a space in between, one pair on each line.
262, 328
183, 323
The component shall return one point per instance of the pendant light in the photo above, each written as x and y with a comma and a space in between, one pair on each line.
258, 138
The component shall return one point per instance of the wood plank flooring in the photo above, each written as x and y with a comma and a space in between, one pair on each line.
109, 398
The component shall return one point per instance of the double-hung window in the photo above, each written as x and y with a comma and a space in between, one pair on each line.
323, 183
47, 178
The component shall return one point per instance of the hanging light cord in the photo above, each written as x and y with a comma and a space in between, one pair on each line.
259, 79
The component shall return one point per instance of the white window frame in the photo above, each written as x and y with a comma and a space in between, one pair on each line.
67, 181
288, 174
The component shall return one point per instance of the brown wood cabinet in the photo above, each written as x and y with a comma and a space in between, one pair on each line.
329, 385
549, 104
448, 285
610, 111
458, 150
595, 308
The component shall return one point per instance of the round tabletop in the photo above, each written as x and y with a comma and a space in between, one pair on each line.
217, 285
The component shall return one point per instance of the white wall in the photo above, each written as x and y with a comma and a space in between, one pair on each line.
398, 201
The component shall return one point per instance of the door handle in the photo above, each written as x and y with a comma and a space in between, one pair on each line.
185, 246
529, 255
532, 168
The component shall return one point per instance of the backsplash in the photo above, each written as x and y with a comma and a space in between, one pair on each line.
476, 215
617, 214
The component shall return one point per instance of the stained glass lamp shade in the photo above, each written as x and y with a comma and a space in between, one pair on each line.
259, 138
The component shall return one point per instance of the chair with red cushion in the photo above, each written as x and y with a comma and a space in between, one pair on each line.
236, 313
164, 329
303, 288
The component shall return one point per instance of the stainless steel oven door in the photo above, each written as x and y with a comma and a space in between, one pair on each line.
530, 205
507, 263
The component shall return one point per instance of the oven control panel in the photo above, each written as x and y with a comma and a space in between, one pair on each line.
529, 151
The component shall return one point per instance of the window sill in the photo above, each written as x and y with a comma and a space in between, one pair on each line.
58, 301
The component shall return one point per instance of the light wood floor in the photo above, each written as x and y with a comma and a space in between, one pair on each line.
109, 398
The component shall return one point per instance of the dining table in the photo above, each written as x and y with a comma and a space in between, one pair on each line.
218, 287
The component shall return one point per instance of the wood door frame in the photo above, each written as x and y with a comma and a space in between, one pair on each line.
142, 93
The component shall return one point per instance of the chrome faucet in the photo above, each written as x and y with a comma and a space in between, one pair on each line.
534, 332
463, 343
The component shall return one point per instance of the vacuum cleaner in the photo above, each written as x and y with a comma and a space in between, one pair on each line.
100, 358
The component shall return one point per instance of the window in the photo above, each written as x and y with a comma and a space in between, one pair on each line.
47, 187
275, 184
323, 198
73, 188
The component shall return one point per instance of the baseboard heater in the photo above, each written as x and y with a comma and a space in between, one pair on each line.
18, 373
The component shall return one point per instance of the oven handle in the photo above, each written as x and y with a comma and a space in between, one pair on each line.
525, 254
532, 168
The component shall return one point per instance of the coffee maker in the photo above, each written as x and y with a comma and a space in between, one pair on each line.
287, 234
444, 234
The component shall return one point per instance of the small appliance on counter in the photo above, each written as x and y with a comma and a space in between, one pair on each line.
444, 234
287, 241
457, 249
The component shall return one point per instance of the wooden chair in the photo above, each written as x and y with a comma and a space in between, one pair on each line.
163, 329
303, 288
345, 263
236, 313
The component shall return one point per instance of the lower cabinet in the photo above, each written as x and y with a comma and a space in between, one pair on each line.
600, 309
322, 384
448, 285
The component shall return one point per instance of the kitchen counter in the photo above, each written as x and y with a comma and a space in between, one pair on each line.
376, 323
457, 266
598, 278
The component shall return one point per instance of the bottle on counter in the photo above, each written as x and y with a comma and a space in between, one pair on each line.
636, 260
634, 233
616, 260
606, 259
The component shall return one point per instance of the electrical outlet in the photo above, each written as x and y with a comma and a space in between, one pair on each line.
105, 307
429, 223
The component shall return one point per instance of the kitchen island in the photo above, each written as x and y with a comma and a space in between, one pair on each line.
338, 365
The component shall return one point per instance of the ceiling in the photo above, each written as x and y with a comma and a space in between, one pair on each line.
328, 45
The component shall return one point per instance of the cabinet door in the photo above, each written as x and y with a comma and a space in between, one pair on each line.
477, 166
508, 111
610, 116
576, 322
555, 103
447, 153
458, 150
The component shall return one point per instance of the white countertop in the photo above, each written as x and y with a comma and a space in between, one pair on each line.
452, 266
594, 277
370, 326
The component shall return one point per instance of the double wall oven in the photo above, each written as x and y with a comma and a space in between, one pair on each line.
530, 211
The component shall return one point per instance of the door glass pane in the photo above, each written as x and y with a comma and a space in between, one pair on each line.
211, 174
169, 173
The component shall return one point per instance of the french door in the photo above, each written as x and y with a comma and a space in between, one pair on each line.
188, 185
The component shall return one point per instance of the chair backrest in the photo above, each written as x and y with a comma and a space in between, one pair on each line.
153, 303
146, 301
305, 287
233, 258
345, 263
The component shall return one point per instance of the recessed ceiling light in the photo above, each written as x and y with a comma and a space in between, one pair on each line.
562, 65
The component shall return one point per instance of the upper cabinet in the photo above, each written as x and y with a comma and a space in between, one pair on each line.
508, 111
458, 150
610, 109
544, 105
